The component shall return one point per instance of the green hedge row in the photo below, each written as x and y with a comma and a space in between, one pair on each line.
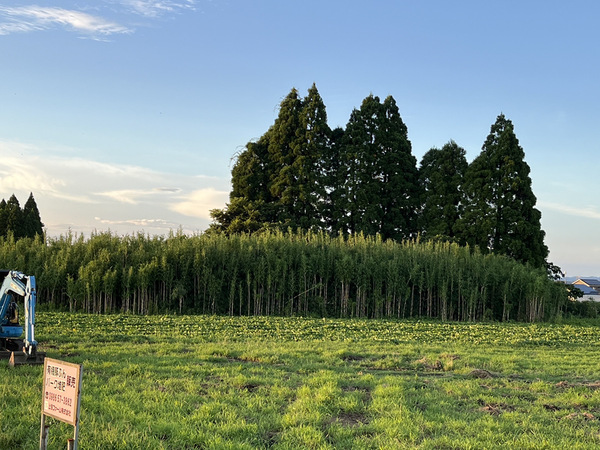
282, 274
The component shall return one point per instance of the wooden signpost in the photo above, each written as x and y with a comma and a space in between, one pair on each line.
61, 397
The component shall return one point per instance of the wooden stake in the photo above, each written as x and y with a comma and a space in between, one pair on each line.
44, 433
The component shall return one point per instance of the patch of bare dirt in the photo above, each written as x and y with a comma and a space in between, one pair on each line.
565, 385
552, 407
481, 373
250, 387
495, 409
353, 358
426, 364
580, 415
350, 419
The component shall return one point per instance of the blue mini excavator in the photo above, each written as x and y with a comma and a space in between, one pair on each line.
15, 287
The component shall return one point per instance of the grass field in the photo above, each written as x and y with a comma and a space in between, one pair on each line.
176, 382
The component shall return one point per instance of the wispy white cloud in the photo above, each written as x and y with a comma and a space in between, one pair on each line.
16, 172
584, 212
134, 196
129, 196
83, 195
155, 8
199, 202
23, 19
38, 18
167, 189
145, 223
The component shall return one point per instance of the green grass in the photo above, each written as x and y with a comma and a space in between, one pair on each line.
176, 382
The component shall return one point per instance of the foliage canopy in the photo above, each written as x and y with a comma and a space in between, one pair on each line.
19, 222
301, 175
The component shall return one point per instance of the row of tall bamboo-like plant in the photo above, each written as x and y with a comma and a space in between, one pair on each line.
281, 274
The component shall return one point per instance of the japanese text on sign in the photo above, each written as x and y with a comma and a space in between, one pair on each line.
61, 390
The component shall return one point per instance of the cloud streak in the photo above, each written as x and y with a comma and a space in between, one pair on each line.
135, 196
199, 202
156, 8
138, 222
32, 18
86, 195
587, 213
39, 18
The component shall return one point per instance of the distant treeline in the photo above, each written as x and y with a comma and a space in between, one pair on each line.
286, 274
20, 222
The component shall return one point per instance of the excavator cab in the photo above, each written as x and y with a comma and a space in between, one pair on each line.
12, 314
9, 311
9, 325
16, 287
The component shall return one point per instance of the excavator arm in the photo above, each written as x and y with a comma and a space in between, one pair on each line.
16, 285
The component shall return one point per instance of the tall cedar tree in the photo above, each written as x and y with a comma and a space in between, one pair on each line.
250, 205
14, 217
308, 164
285, 143
381, 190
441, 176
279, 180
3, 218
500, 215
333, 205
32, 223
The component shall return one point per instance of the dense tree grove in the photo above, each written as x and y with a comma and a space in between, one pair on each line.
301, 175
25, 222
323, 222
308, 274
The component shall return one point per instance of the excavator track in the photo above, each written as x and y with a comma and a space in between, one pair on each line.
22, 358
12, 349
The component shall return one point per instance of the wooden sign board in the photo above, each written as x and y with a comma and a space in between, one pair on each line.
61, 390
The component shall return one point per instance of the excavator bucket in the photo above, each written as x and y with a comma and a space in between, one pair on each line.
13, 350
22, 358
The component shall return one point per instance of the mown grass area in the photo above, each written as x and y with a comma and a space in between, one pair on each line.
176, 382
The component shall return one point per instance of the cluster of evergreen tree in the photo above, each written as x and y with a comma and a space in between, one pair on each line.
20, 223
301, 175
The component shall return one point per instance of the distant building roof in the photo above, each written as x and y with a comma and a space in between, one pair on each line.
587, 290
591, 282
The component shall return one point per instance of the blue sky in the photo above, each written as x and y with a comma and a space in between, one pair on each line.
124, 115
